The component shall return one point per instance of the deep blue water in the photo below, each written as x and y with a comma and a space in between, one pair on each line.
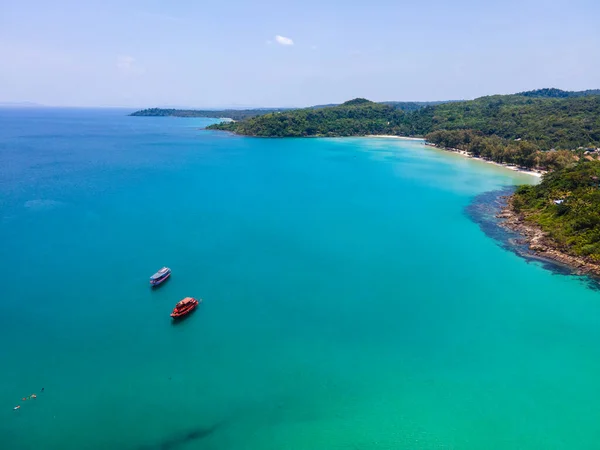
349, 300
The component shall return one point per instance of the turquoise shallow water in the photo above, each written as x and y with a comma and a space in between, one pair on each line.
349, 301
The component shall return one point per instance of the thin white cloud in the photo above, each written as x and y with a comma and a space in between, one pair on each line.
127, 65
125, 62
282, 40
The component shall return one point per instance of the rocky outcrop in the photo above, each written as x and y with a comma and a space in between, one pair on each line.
542, 246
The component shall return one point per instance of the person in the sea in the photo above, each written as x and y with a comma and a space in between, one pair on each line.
42, 390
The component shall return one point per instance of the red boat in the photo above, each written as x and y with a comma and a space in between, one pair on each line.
185, 306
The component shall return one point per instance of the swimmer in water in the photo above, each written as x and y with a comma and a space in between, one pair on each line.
17, 407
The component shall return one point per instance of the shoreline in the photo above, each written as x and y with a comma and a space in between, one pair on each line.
540, 245
477, 158
391, 136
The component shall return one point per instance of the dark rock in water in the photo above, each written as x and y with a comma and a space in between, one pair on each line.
485, 210
184, 438
490, 212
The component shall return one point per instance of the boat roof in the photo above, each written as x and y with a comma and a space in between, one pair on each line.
185, 301
161, 272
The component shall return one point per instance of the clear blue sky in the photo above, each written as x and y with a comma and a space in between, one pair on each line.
211, 54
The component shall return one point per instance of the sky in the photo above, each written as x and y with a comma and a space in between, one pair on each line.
187, 53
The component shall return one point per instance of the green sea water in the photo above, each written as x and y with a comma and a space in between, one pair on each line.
349, 300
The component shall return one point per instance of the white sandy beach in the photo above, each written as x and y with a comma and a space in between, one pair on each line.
475, 158
390, 136
459, 152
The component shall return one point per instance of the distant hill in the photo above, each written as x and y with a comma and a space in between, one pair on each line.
354, 118
542, 119
235, 114
404, 106
557, 93
240, 114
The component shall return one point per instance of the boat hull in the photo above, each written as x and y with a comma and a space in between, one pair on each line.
180, 316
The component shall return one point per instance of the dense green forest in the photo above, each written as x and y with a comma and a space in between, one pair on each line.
561, 123
539, 118
356, 117
412, 106
573, 223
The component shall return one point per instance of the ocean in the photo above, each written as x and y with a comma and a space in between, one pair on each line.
350, 300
